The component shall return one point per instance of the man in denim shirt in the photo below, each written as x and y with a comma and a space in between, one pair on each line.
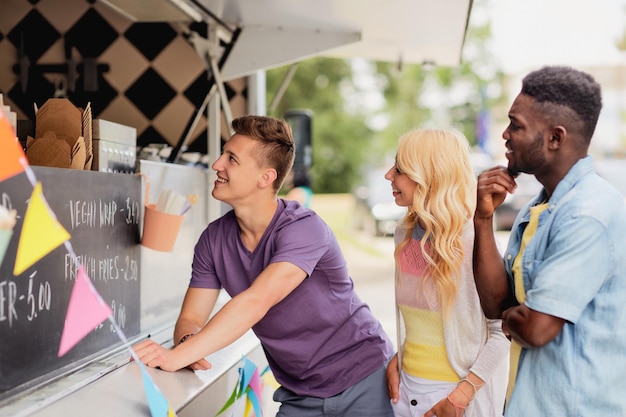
561, 290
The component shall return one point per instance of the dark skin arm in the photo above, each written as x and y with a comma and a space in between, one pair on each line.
527, 327
490, 275
530, 328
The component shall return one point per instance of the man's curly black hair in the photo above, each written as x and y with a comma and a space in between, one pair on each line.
566, 86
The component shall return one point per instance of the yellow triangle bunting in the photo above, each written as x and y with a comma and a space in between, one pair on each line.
41, 232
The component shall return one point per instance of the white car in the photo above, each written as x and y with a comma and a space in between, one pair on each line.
376, 211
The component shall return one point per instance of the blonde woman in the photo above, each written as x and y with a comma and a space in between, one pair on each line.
452, 361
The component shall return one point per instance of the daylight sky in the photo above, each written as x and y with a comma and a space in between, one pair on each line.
530, 33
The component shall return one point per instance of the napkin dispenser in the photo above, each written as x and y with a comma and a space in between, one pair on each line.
114, 147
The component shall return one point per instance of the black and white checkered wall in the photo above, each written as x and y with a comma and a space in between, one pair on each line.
144, 75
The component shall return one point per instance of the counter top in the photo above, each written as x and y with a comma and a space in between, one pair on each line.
113, 386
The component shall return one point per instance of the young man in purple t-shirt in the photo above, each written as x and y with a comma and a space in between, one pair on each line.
288, 280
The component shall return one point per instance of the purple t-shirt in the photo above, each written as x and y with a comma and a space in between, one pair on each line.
320, 339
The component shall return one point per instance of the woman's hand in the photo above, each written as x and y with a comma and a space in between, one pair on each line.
393, 379
444, 408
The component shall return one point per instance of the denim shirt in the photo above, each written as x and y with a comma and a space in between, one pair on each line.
575, 268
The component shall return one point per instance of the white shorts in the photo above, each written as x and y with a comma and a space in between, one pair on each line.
418, 395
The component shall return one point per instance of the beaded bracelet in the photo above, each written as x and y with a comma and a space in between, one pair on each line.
474, 386
185, 337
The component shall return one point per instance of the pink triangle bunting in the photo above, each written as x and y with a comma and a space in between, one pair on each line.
85, 311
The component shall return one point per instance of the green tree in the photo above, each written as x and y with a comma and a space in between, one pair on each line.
341, 138
430, 96
401, 88
346, 141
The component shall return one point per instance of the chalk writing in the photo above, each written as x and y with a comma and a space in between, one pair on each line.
102, 269
8, 295
71, 266
131, 269
103, 215
119, 313
132, 211
107, 213
5, 201
83, 213
38, 298
99, 213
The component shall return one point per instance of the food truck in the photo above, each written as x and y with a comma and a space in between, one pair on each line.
84, 85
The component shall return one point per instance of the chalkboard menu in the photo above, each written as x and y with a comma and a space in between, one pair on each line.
101, 213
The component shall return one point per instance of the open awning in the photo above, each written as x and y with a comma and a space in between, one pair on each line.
246, 36
272, 33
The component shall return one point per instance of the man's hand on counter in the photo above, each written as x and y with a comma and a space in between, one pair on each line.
154, 355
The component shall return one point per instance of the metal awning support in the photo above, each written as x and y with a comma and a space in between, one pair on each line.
206, 49
210, 57
283, 87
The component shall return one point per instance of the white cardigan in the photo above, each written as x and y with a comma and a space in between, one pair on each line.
473, 343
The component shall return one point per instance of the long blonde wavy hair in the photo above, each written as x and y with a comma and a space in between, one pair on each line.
443, 202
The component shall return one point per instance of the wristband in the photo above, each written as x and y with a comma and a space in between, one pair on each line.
185, 337
474, 386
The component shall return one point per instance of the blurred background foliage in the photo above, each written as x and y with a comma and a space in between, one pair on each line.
360, 108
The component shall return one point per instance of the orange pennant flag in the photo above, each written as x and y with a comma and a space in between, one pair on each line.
85, 311
12, 158
41, 232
